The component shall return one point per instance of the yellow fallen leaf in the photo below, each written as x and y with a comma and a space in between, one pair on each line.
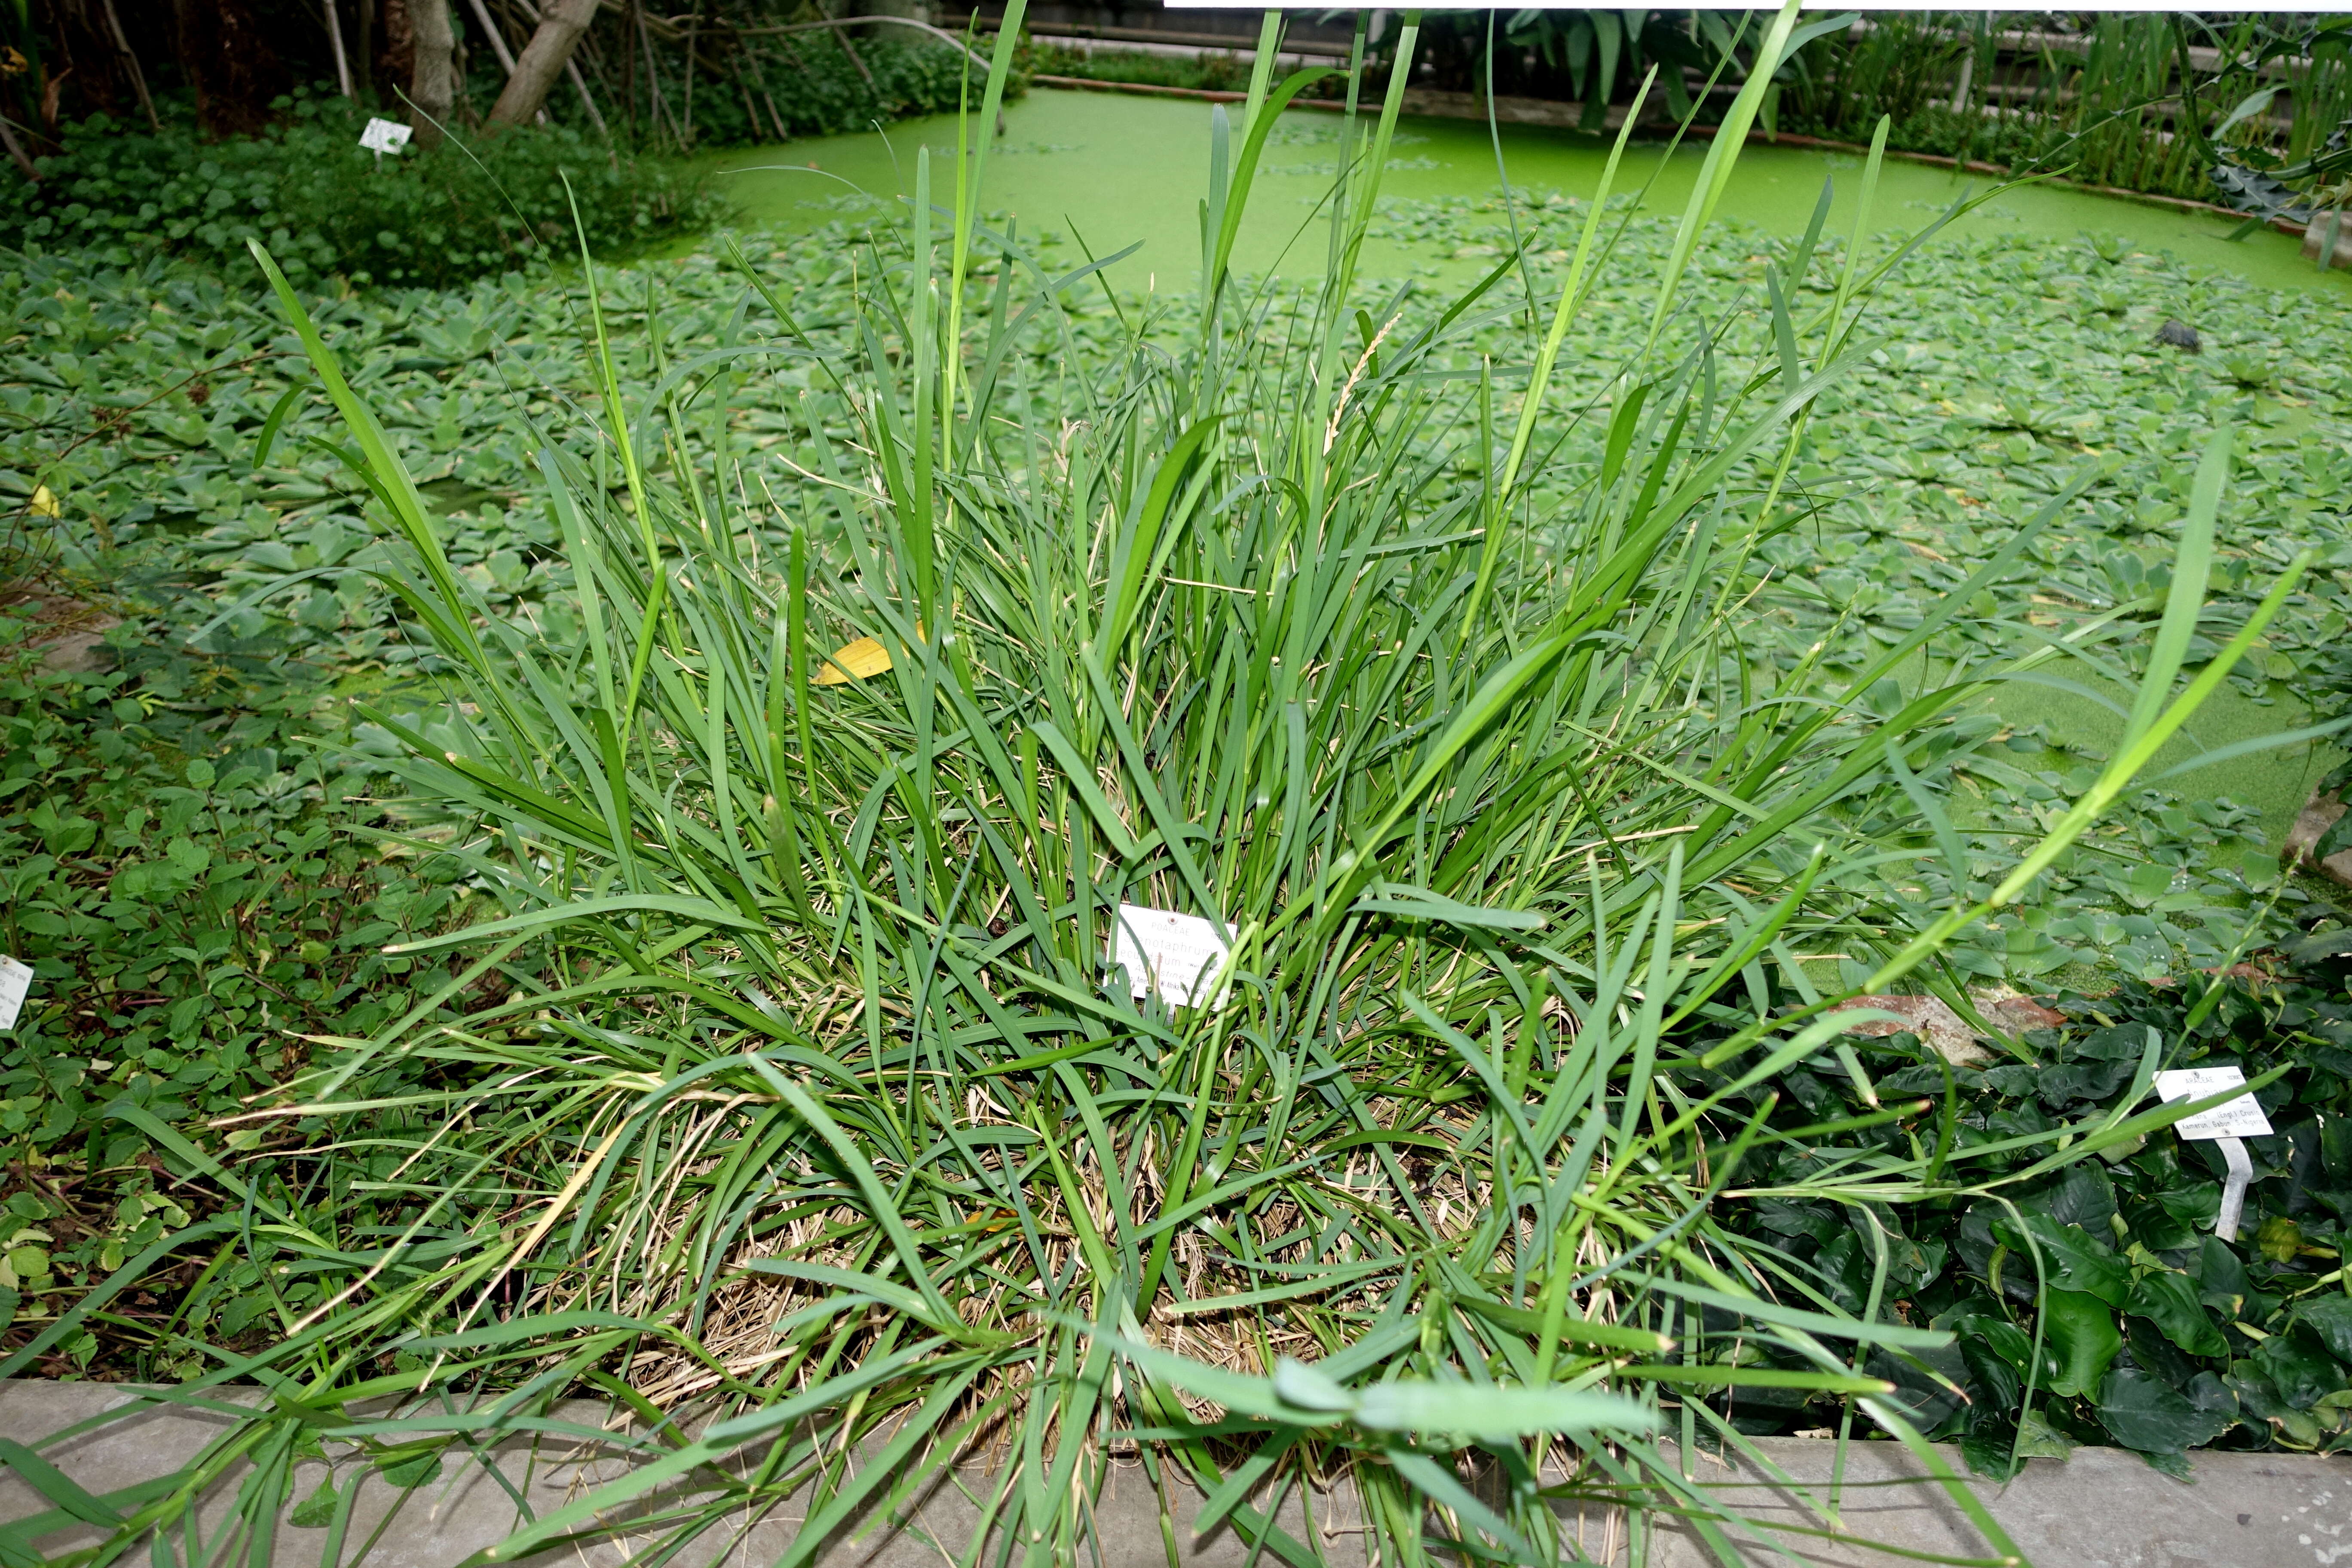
861, 658
44, 503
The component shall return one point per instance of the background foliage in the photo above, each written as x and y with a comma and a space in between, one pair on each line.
478, 205
820, 84
2219, 108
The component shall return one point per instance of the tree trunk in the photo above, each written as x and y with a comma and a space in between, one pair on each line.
497, 39
131, 65
629, 71
693, 25
596, 118
335, 44
544, 59
225, 56
433, 89
392, 70
507, 60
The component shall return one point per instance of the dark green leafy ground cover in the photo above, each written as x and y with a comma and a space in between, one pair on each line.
199, 900
185, 870
2155, 1334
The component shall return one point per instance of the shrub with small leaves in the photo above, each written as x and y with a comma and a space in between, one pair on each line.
482, 203
821, 83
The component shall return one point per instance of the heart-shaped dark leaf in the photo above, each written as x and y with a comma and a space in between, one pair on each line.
2169, 1299
2147, 1414
2081, 1339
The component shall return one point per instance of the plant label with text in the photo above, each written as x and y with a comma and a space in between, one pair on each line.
384, 135
1176, 955
15, 984
2238, 1118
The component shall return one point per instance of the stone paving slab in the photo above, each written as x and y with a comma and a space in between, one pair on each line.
445, 1523
2102, 1508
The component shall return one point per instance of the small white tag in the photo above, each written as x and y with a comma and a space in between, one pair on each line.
15, 983
384, 135
1176, 955
2238, 1118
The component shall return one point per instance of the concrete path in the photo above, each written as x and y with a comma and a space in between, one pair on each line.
2102, 1508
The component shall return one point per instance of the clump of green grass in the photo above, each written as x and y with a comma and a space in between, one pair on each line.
817, 1109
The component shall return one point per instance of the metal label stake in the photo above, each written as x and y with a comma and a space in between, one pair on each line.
2226, 1124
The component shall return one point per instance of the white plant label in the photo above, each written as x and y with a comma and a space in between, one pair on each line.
2238, 1118
384, 135
2226, 1123
15, 984
1176, 955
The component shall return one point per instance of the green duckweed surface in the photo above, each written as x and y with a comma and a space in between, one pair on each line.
1123, 169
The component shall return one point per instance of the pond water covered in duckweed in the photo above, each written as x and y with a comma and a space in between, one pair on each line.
1117, 170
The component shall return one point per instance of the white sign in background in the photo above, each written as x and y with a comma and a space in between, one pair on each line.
1175, 955
15, 984
383, 136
